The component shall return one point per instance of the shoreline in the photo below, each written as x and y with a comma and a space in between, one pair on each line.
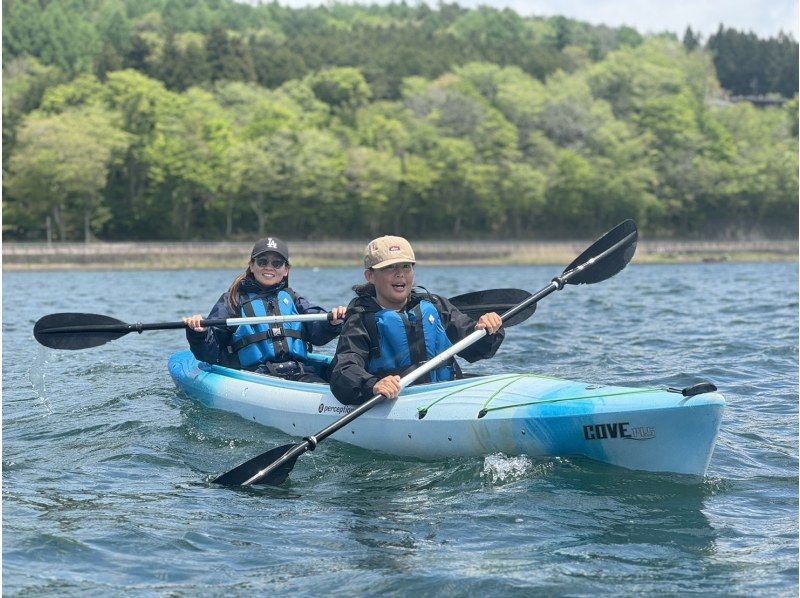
224, 255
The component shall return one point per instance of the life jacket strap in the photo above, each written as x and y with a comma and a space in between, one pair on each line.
272, 334
416, 339
371, 326
277, 334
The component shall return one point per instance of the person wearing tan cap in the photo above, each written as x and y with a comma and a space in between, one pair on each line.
391, 328
273, 349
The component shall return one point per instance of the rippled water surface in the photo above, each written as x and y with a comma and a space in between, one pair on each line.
106, 466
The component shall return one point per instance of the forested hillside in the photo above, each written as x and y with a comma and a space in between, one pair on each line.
193, 119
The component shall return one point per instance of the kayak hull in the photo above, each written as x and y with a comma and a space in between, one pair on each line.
515, 414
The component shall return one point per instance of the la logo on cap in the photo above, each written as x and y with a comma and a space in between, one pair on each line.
271, 243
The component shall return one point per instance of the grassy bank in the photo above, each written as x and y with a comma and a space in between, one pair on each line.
147, 255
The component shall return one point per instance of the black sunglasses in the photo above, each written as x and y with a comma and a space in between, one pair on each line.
263, 262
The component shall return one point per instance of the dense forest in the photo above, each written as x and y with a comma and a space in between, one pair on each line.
211, 119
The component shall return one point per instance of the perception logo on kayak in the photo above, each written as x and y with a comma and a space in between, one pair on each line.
618, 430
323, 408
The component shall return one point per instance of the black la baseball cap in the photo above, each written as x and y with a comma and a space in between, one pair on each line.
270, 244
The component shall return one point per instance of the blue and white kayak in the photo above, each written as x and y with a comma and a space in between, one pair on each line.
647, 429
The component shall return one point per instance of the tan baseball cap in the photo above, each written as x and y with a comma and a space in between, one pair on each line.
385, 251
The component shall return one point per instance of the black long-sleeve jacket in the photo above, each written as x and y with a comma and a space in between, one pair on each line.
212, 345
352, 384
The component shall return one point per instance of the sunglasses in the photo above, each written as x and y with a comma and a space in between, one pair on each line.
263, 262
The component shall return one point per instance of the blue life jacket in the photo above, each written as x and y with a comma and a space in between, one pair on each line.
255, 344
407, 338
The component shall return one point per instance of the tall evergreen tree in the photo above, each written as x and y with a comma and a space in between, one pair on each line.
108, 60
138, 55
228, 58
691, 41
169, 65
274, 66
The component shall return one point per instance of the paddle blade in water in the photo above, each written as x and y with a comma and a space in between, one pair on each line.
622, 238
497, 300
77, 330
239, 475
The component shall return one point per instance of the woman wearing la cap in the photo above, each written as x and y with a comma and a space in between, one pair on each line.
275, 349
391, 328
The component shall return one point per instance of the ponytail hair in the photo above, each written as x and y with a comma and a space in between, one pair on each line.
366, 288
234, 291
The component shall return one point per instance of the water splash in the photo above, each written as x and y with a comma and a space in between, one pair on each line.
498, 468
36, 377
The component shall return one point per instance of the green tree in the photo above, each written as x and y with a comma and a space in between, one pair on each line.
187, 163
373, 180
522, 189
182, 63
228, 58
274, 66
344, 90
71, 42
691, 41
143, 104
114, 28
22, 29
457, 205
629, 77
319, 183
61, 165
25, 81
259, 178
139, 55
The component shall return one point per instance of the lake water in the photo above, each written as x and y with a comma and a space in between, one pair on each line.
106, 466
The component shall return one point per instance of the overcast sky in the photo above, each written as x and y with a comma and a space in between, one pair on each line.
765, 18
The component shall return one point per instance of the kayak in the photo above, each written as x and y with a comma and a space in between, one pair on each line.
650, 429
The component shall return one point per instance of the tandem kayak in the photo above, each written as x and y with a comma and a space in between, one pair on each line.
650, 429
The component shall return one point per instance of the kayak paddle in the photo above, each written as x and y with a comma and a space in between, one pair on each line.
81, 331
603, 259
477, 303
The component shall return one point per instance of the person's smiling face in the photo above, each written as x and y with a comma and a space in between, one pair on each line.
269, 269
392, 284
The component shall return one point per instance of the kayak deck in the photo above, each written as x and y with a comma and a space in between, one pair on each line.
515, 414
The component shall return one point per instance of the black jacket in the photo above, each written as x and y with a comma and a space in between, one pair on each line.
212, 345
352, 384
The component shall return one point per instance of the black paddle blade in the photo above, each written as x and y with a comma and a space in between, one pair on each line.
77, 331
606, 266
239, 475
497, 300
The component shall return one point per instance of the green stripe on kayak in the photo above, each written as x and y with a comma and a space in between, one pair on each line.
422, 411
548, 401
